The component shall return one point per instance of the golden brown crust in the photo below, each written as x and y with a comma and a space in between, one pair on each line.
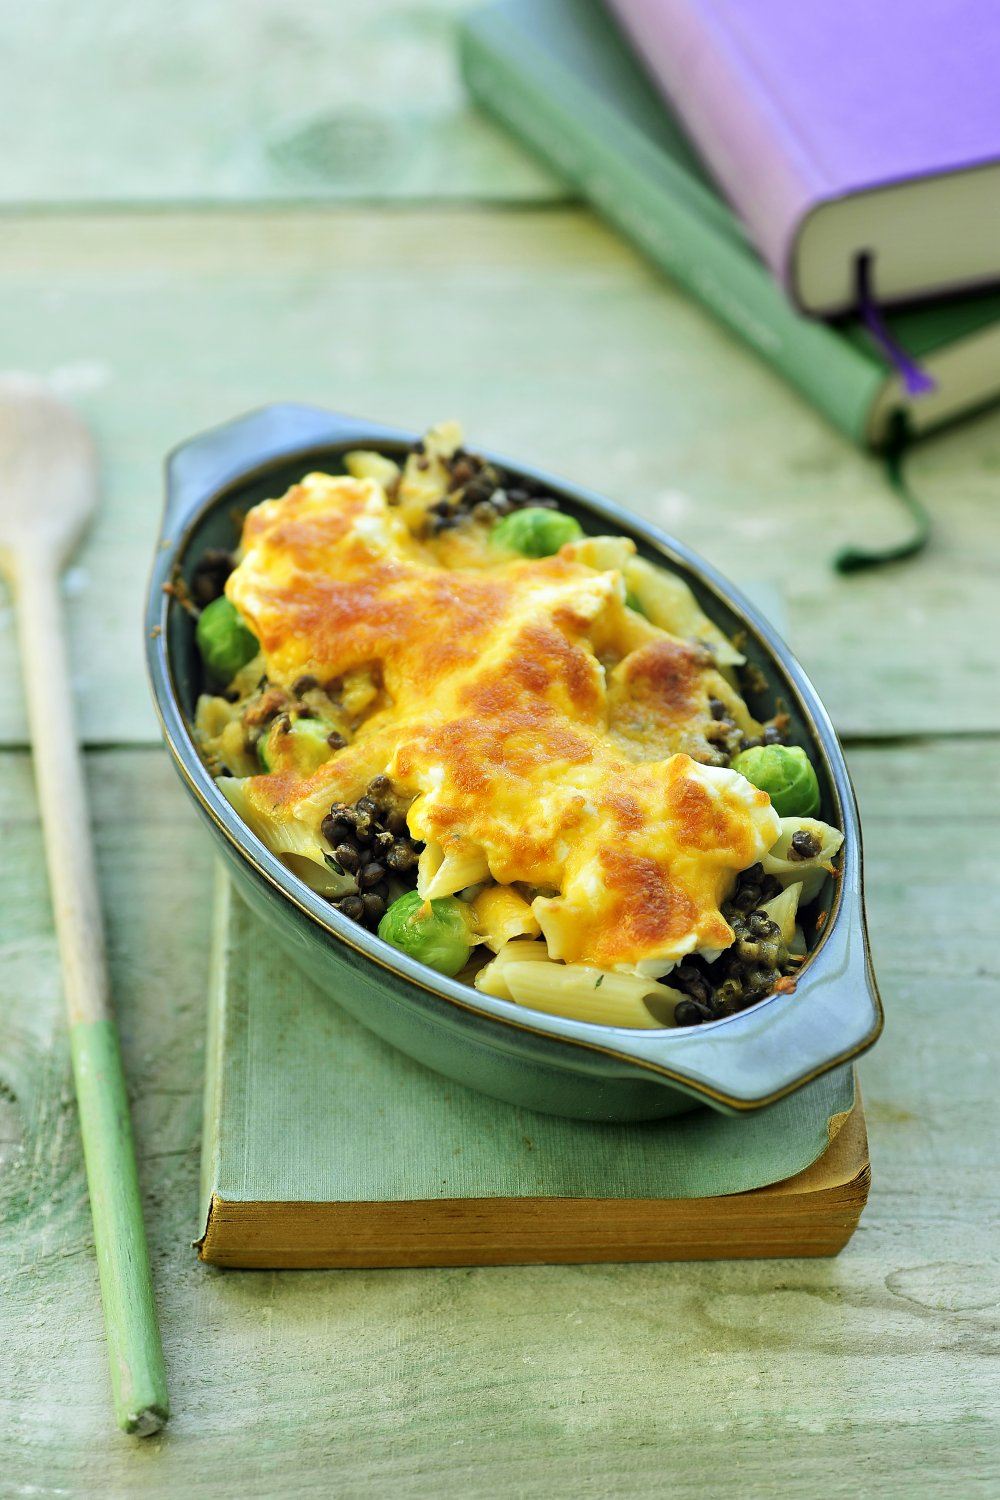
493, 713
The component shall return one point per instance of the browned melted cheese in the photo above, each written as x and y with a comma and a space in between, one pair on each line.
496, 715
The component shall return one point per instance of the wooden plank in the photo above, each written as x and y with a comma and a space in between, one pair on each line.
873, 1374
552, 341
249, 100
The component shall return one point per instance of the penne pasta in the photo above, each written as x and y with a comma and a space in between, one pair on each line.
517, 753
602, 552
363, 464
490, 978
425, 477
442, 873
667, 601
781, 909
502, 914
590, 994
781, 860
295, 844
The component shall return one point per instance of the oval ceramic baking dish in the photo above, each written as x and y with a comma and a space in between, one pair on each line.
544, 1062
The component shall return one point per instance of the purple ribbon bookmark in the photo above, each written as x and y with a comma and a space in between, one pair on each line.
916, 381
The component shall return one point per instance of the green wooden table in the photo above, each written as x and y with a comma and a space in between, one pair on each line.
223, 205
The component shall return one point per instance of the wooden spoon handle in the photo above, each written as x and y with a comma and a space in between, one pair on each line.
62, 794
138, 1376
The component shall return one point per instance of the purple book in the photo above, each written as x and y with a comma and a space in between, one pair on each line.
859, 140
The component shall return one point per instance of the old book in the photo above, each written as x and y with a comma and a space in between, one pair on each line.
558, 74
836, 132
325, 1147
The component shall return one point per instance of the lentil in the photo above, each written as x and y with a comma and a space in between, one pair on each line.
208, 582
368, 840
690, 1013
755, 964
804, 845
374, 908
479, 490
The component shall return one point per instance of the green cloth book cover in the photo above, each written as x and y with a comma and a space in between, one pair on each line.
325, 1146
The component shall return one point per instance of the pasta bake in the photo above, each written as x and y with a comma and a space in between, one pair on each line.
519, 753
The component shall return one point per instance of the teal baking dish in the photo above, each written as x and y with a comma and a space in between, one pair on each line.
542, 1062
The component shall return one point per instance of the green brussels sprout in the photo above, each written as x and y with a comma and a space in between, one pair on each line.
785, 773
224, 641
439, 933
303, 743
535, 532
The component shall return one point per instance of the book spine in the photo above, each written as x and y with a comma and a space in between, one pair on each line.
215, 1047
655, 205
696, 61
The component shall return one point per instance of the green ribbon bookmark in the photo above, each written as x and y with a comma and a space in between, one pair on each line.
853, 559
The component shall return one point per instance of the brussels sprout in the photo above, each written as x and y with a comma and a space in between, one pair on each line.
223, 640
303, 743
785, 773
535, 532
439, 933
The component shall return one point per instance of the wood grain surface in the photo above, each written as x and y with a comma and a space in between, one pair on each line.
162, 324
213, 206
248, 100
872, 1374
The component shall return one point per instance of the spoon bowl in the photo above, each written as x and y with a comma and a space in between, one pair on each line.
48, 476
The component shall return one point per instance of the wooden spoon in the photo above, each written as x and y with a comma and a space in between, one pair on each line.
48, 493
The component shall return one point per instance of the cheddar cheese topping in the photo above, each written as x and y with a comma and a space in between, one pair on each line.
546, 738
496, 715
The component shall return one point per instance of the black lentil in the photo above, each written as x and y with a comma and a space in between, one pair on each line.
727, 997
401, 857
462, 470
337, 827
374, 908
369, 839
480, 490
692, 981
690, 1013
748, 970
804, 845
208, 582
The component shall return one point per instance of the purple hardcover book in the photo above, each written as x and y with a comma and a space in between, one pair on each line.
859, 140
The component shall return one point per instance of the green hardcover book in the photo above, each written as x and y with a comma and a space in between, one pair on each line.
558, 74
325, 1147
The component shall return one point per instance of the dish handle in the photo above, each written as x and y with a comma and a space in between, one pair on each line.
782, 1043
201, 467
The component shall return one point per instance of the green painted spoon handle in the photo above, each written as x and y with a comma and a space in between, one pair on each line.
138, 1377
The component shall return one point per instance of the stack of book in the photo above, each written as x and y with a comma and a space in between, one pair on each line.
324, 1147
824, 178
